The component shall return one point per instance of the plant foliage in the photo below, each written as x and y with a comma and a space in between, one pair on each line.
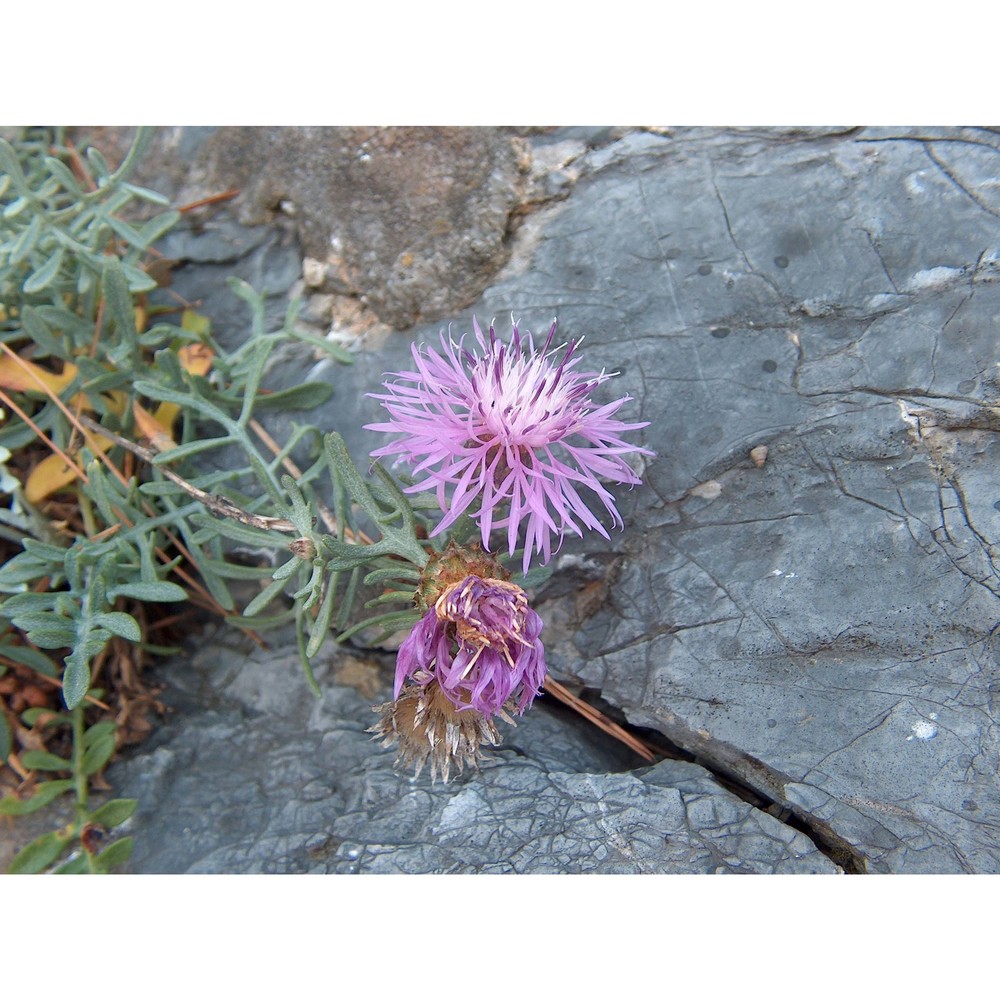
112, 410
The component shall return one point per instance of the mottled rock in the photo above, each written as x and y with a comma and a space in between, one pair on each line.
824, 629
414, 221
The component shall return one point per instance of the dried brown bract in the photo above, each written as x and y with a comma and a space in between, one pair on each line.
427, 726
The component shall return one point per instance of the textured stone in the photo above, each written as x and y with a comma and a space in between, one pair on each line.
414, 221
820, 628
254, 775
826, 620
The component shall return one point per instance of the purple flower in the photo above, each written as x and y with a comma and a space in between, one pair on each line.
480, 644
512, 427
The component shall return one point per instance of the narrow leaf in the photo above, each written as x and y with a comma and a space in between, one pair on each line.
23, 604
138, 280
42, 760
335, 351
55, 637
157, 227
298, 397
45, 793
121, 624
98, 732
284, 571
347, 601
25, 242
64, 175
395, 573
76, 679
162, 590
115, 854
241, 532
125, 231
75, 866
393, 621
307, 668
114, 813
146, 194
321, 626
98, 753
237, 571
188, 400
39, 854
45, 275
264, 598
263, 621
191, 448
119, 299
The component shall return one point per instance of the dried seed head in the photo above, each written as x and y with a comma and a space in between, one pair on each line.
427, 726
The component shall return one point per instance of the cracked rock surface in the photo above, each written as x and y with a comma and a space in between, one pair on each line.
821, 627
255, 775
806, 594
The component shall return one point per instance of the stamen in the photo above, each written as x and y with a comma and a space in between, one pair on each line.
548, 339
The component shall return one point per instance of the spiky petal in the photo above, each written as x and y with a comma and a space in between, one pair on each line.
513, 428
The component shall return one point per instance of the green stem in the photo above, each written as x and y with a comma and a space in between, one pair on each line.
80, 780
87, 513
79, 777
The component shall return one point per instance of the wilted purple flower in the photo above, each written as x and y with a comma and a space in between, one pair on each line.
480, 644
510, 425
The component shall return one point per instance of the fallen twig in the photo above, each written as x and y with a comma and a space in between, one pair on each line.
598, 718
215, 503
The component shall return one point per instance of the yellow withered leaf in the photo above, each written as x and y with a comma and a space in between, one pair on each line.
19, 375
156, 428
53, 474
195, 358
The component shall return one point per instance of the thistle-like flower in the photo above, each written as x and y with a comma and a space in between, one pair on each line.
480, 644
513, 427
475, 655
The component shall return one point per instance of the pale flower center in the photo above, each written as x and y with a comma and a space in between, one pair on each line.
519, 403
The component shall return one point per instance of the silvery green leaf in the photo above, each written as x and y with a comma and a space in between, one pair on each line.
45, 275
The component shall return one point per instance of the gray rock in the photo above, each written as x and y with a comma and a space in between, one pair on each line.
822, 629
209, 252
819, 627
254, 775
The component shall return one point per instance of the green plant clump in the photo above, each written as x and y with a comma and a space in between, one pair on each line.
93, 548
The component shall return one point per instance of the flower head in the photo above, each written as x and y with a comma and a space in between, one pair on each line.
427, 726
480, 644
513, 427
